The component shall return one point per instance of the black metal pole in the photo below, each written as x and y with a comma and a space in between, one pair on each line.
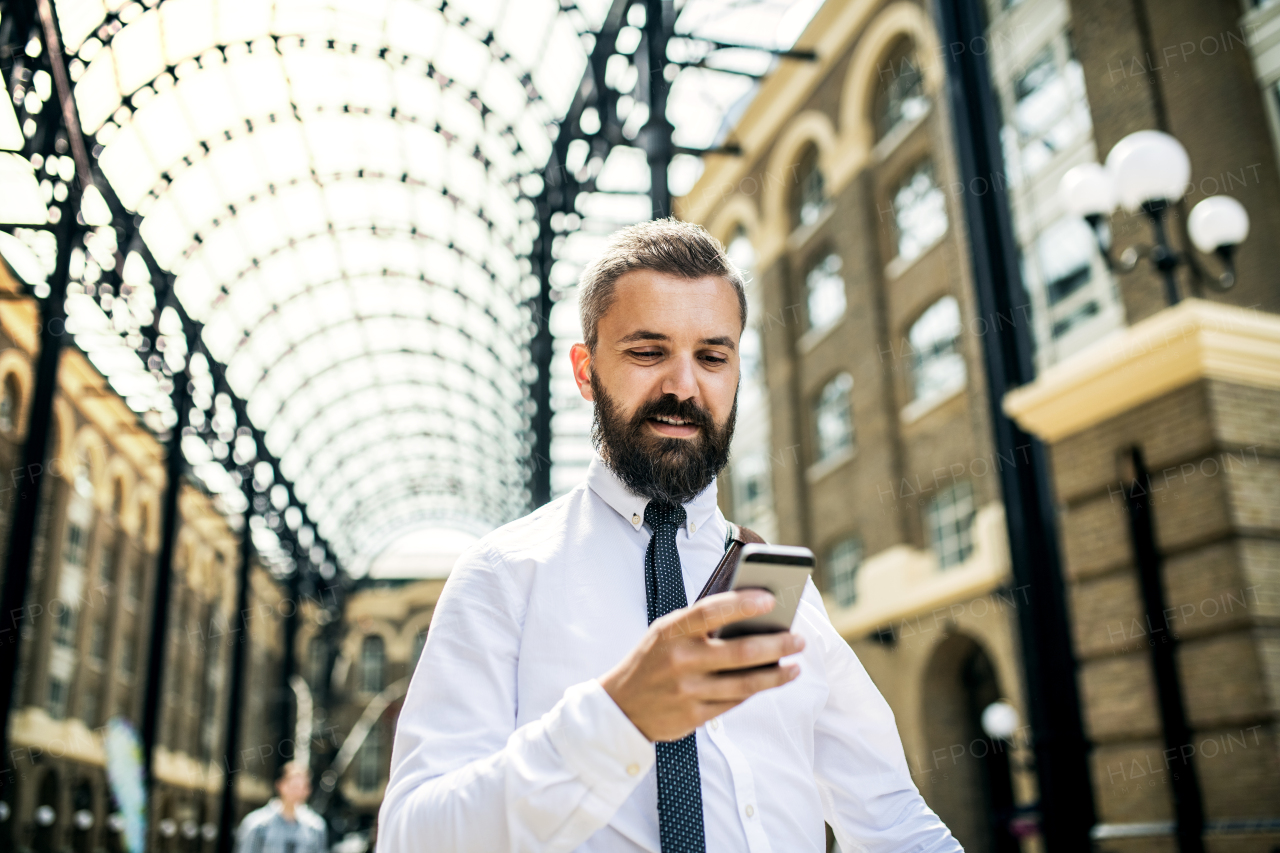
288, 703
239, 640
657, 132
542, 348
1066, 798
1165, 258
35, 457
153, 702
1188, 805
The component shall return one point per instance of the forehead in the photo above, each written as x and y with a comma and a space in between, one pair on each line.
673, 304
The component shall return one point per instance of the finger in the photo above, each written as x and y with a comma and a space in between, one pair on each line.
737, 686
715, 709
752, 650
716, 611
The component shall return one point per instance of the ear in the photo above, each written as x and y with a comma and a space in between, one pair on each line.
581, 358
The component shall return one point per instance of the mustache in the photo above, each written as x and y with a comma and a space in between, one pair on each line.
668, 405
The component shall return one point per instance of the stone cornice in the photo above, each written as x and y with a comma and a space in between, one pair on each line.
1193, 340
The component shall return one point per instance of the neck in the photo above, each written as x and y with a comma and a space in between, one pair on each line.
287, 809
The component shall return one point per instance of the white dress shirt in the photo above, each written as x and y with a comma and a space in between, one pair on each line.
506, 741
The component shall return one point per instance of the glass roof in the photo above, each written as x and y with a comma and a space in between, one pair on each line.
342, 192
339, 189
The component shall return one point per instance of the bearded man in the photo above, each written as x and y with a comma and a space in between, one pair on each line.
569, 697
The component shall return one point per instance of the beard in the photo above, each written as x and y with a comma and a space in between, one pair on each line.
670, 470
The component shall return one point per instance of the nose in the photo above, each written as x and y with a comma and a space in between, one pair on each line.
680, 379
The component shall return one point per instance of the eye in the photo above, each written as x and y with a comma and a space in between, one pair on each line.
715, 358
646, 353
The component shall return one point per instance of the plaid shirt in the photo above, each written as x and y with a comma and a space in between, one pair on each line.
268, 831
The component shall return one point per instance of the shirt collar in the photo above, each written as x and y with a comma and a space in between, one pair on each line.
629, 505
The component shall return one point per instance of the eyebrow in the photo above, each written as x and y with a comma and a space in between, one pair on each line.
646, 335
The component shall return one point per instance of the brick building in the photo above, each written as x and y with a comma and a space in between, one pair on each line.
85, 649
846, 207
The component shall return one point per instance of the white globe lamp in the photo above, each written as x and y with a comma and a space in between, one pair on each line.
1219, 222
1087, 191
1149, 168
1000, 720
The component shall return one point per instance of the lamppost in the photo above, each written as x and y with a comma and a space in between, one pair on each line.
1148, 171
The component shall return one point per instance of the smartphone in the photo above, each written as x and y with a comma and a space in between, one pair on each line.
783, 570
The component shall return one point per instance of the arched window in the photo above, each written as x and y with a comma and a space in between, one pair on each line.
901, 96
419, 643
369, 764
833, 417
810, 189
937, 368
949, 522
82, 476
317, 663
9, 402
372, 660
843, 562
824, 293
919, 212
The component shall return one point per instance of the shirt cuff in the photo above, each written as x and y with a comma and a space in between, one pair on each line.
598, 741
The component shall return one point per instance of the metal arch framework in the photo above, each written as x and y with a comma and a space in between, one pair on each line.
492, 127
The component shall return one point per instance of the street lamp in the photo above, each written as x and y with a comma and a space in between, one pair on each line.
1148, 171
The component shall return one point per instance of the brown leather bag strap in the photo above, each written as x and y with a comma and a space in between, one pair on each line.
723, 575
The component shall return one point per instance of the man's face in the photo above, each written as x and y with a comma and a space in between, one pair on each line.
664, 378
294, 787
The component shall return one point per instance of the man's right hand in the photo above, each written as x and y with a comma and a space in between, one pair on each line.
679, 676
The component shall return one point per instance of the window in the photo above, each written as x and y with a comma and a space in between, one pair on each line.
920, 212
107, 563
77, 542
843, 562
59, 690
1064, 252
937, 366
369, 768
128, 656
901, 97
949, 522
82, 477
833, 417
133, 586
824, 289
419, 643
212, 685
810, 191
89, 707
372, 657
64, 626
9, 404
98, 640
751, 489
1051, 109
317, 663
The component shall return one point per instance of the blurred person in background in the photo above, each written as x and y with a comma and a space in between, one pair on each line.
285, 824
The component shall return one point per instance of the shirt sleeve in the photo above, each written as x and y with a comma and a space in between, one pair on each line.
867, 793
462, 774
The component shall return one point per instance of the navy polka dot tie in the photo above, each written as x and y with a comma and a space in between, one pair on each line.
679, 782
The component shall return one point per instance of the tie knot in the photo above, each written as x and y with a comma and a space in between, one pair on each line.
657, 512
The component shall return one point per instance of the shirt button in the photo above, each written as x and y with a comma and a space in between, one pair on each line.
693, 528
633, 769
635, 519
715, 724
751, 810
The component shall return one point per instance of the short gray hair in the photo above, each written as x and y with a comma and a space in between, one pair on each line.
663, 245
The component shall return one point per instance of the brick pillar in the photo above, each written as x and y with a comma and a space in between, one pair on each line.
1196, 388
